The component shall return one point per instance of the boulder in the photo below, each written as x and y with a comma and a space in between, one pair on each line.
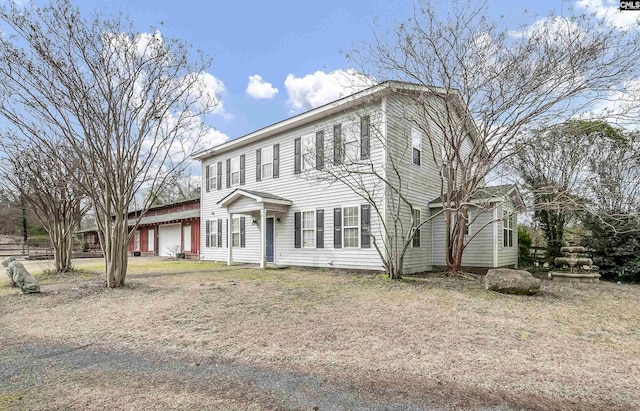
22, 278
509, 281
5, 264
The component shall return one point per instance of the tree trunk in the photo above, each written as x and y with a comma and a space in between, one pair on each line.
115, 242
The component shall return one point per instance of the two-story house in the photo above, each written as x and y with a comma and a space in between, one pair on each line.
315, 190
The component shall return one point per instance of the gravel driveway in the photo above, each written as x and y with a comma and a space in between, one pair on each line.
33, 376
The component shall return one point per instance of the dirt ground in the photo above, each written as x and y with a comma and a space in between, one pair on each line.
314, 339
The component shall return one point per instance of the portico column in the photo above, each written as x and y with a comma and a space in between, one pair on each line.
263, 238
229, 241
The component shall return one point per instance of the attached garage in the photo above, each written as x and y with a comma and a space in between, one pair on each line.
169, 239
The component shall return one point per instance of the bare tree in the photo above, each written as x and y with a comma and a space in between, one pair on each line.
129, 105
49, 188
488, 85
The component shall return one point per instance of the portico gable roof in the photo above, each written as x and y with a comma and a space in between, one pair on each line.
258, 196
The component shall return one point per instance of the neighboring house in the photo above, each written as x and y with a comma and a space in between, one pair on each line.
266, 199
164, 230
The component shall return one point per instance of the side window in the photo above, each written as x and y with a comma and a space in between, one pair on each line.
309, 229
416, 230
416, 145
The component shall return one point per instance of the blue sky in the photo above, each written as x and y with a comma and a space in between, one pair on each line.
295, 47
275, 40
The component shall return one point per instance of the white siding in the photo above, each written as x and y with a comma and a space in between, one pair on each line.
507, 256
305, 191
480, 249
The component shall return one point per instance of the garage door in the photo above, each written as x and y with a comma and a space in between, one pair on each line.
169, 239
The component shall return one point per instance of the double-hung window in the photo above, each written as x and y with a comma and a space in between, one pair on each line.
235, 171
351, 226
351, 152
309, 152
416, 145
213, 233
266, 157
416, 229
309, 229
235, 232
213, 177
507, 229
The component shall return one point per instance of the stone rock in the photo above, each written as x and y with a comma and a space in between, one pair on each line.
22, 278
5, 264
509, 281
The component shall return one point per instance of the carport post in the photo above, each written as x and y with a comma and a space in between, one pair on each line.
263, 237
230, 241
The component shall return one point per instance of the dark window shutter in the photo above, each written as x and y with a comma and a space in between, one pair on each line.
219, 232
319, 228
276, 160
207, 173
337, 227
242, 169
319, 150
208, 231
297, 237
219, 176
258, 166
242, 236
228, 172
365, 223
297, 159
338, 148
364, 138
226, 230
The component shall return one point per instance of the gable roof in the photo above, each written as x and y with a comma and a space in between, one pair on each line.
337, 106
485, 195
259, 196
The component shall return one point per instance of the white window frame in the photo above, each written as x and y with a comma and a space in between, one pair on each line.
213, 176
136, 240
312, 229
235, 171
416, 229
213, 232
308, 148
507, 228
345, 227
350, 142
235, 234
416, 144
267, 151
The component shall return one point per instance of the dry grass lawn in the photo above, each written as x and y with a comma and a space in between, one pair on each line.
574, 346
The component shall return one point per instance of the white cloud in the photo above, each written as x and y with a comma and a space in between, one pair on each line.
258, 88
609, 11
319, 88
557, 29
212, 89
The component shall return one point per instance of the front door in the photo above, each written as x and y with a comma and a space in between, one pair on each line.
269, 245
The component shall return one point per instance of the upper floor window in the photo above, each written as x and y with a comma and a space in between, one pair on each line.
351, 151
213, 176
308, 152
416, 145
267, 162
235, 171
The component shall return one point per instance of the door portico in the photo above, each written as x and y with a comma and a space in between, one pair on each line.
260, 206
